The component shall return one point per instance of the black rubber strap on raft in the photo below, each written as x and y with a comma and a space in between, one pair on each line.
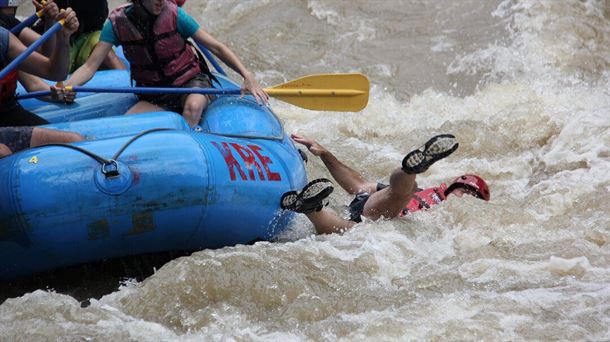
102, 160
138, 137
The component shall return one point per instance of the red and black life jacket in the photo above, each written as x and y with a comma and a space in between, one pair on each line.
426, 198
8, 86
159, 56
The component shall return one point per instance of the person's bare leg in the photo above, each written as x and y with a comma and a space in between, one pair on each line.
388, 202
4, 151
327, 222
143, 107
349, 179
193, 108
43, 136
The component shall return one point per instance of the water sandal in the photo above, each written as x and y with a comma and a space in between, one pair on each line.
310, 199
289, 200
435, 149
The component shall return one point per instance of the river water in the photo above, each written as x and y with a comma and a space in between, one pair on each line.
523, 84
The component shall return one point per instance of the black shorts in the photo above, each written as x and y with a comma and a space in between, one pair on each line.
356, 207
15, 115
16, 138
175, 102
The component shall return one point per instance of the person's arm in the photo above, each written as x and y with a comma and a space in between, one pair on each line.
348, 178
229, 58
29, 36
34, 83
112, 61
56, 67
87, 70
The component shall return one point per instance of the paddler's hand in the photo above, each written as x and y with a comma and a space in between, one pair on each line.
252, 87
71, 22
313, 147
60, 94
49, 9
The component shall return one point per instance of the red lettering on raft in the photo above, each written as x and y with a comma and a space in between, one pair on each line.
249, 155
231, 162
249, 159
272, 176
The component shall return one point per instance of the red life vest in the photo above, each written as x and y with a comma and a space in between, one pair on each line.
158, 58
425, 199
8, 86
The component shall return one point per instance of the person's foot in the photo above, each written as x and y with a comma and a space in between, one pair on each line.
310, 199
435, 149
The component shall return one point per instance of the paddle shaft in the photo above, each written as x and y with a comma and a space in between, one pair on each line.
138, 90
206, 91
27, 22
25, 54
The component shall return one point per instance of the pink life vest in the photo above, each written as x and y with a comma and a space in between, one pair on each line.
158, 58
426, 198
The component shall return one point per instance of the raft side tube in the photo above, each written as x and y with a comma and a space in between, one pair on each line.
112, 127
185, 191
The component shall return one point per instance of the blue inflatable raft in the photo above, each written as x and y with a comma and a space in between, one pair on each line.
144, 183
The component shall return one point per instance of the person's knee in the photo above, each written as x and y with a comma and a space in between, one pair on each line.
4, 150
193, 108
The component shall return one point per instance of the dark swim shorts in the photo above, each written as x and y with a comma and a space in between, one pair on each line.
16, 138
175, 102
13, 115
356, 207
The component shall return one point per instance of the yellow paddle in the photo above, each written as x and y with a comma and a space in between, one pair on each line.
328, 92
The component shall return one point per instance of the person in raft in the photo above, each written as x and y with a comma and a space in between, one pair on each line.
15, 131
91, 16
154, 36
374, 200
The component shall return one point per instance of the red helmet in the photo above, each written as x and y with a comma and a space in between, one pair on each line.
472, 184
179, 2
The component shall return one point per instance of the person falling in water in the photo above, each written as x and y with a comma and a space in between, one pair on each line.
374, 200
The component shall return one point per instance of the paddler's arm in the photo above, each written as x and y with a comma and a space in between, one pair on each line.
87, 70
49, 12
56, 67
34, 83
230, 58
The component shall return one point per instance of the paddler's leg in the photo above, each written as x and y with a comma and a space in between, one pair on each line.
193, 107
43, 136
144, 107
389, 201
311, 201
4, 150
327, 222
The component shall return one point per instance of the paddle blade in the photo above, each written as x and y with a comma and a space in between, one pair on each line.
327, 92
